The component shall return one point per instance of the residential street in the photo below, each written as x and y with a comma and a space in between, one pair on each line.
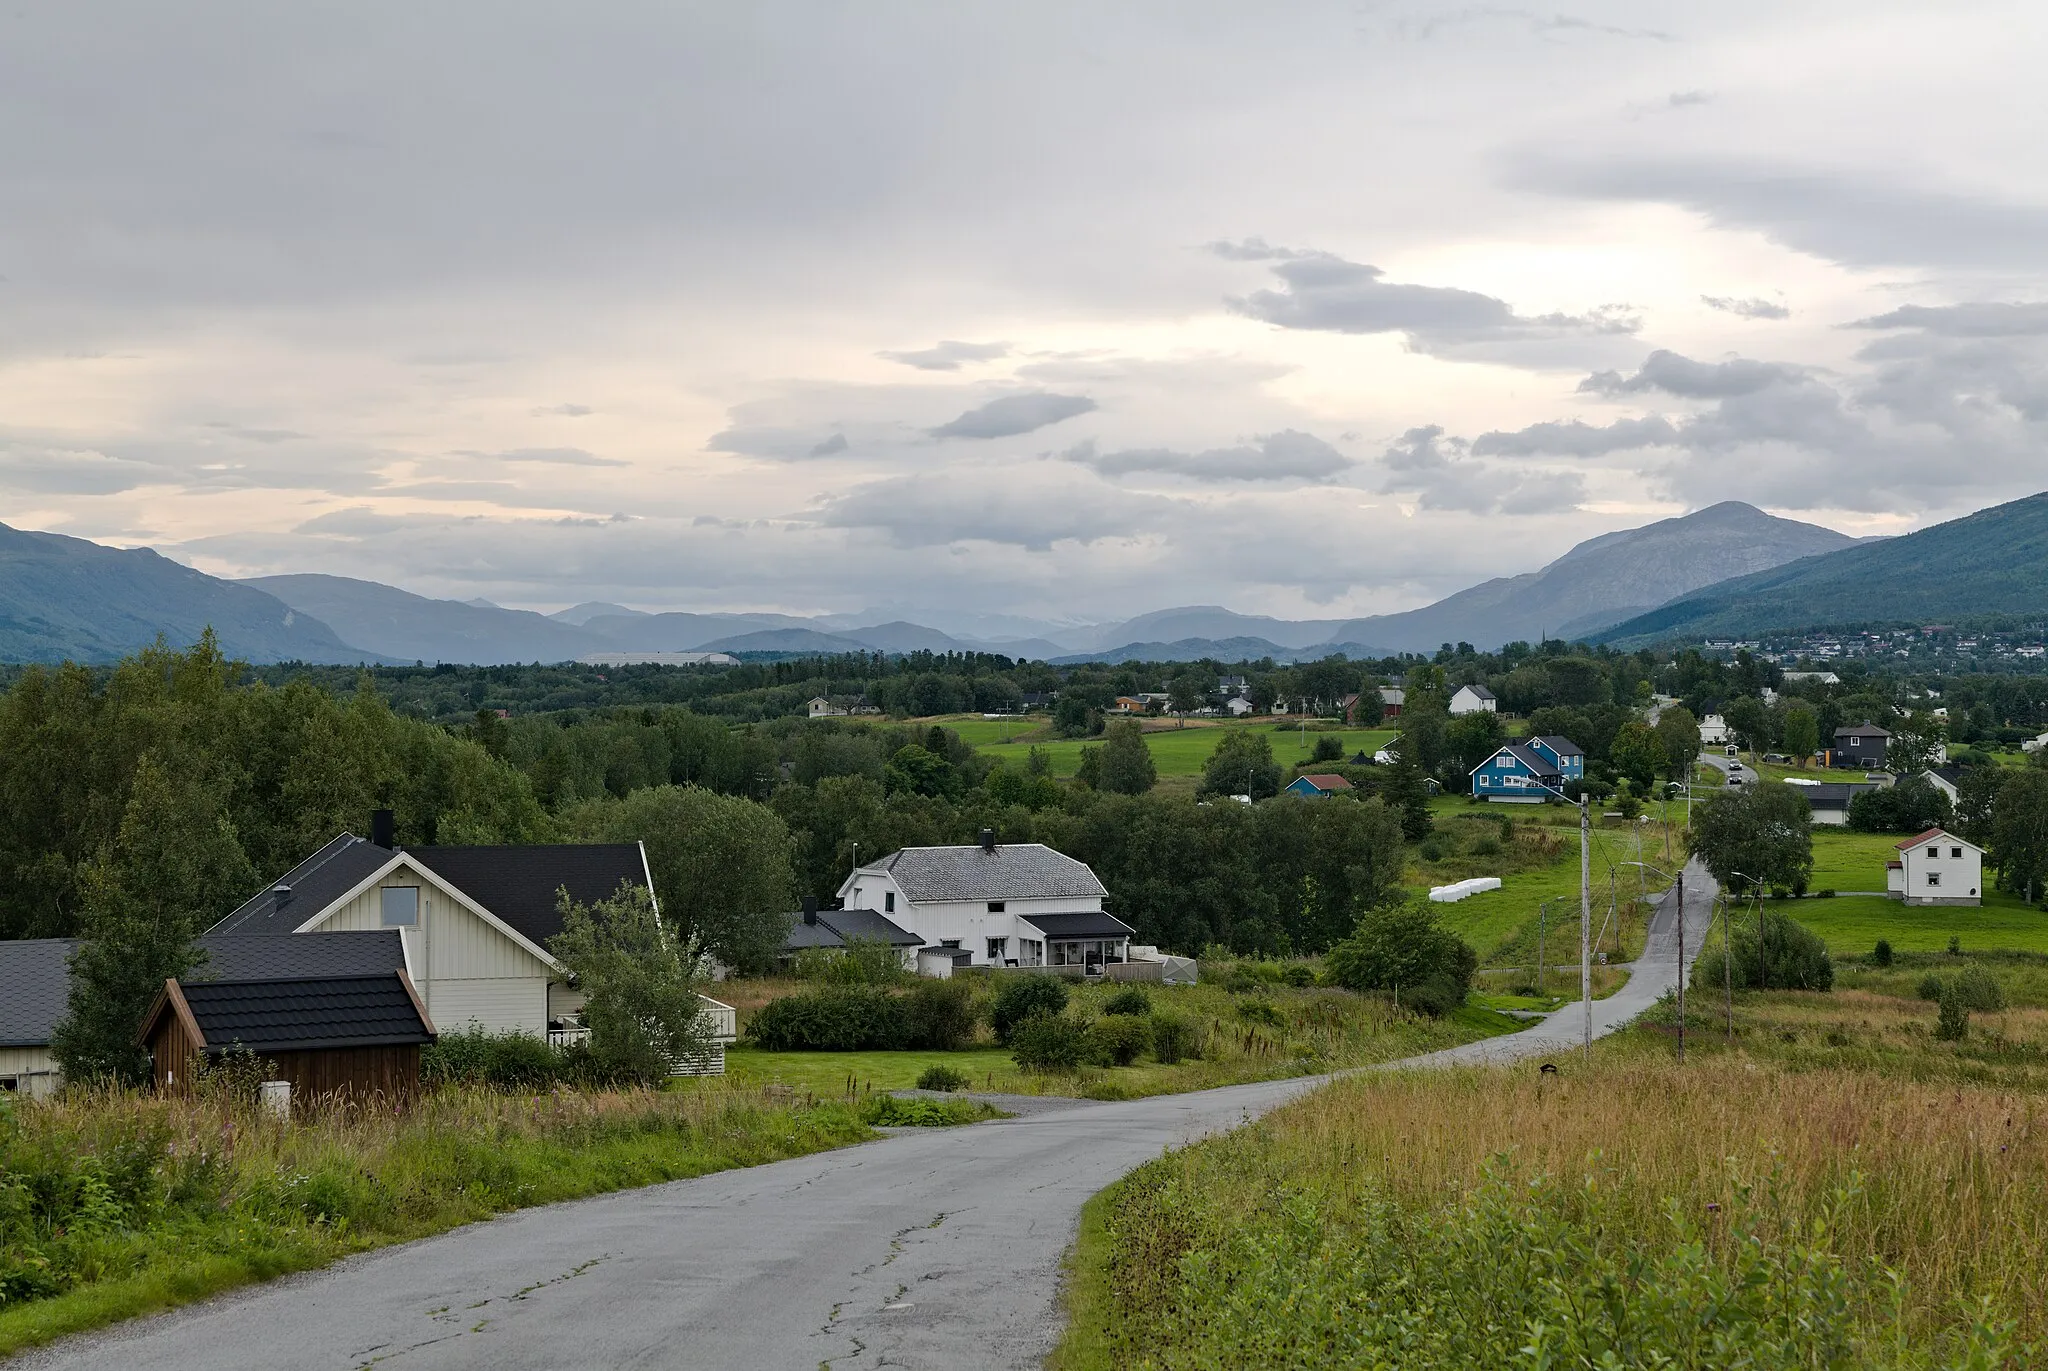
928, 1249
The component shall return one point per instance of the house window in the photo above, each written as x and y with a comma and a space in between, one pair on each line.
998, 948
995, 906
401, 906
1934, 878
889, 902
953, 943
1956, 852
1933, 854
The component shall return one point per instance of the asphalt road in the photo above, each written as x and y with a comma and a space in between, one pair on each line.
936, 1249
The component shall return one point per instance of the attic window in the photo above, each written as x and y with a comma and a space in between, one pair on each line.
995, 906
401, 906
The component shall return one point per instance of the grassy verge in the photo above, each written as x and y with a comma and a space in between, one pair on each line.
117, 1205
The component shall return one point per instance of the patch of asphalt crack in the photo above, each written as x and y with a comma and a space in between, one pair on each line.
443, 1315
895, 1250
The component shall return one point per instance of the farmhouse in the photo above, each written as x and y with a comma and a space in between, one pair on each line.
35, 983
1529, 772
1316, 787
1019, 904
1937, 868
353, 1035
1473, 699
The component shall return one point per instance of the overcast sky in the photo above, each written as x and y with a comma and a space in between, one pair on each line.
1051, 311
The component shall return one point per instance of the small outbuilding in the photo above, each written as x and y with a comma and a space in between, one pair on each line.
353, 1035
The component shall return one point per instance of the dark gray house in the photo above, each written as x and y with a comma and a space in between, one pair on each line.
1860, 748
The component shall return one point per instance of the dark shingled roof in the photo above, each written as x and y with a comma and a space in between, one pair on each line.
835, 926
1017, 871
306, 1013
35, 976
517, 884
1095, 925
1562, 746
1833, 794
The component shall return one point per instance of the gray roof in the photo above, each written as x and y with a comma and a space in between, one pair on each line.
1558, 743
836, 926
1862, 730
1481, 691
306, 1013
35, 975
1019, 871
1090, 925
1834, 794
339, 867
1538, 764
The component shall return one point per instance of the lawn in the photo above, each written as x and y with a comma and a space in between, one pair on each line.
827, 1075
1180, 751
1852, 924
1843, 860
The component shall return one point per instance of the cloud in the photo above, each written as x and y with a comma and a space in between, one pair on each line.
829, 447
547, 456
57, 471
1436, 469
1752, 308
1014, 414
1542, 25
259, 435
993, 506
1981, 319
1285, 456
562, 411
1325, 293
1673, 374
1576, 438
1681, 99
948, 355
1854, 220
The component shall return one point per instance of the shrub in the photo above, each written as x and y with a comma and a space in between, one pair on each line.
1173, 1038
1486, 846
941, 1077
1930, 987
844, 1018
502, 1061
1436, 996
1881, 955
863, 961
1399, 947
1952, 1023
1432, 849
1118, 1040
1795, 957
1048, 1042
1130, 1000
893, 1111
940, 1015
1980, 990
1028, 996
1299, 975
1261, 1011
1955, 946
1826, 894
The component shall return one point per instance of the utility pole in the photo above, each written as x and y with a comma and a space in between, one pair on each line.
1681, 968
1541, 910
1728, 967
1586, 917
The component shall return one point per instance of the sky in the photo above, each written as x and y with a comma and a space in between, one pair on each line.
1007, 315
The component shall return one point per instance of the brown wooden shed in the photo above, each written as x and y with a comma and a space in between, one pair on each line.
356, 1035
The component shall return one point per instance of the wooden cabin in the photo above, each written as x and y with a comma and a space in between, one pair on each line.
353, 1035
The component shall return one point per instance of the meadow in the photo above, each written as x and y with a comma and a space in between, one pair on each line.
1852, 924
1176, 751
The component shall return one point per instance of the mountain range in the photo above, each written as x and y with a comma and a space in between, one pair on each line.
1730, 568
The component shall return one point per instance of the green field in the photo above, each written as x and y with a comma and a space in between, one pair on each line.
1852, 924
825, 1074
1175, 751
1851, 861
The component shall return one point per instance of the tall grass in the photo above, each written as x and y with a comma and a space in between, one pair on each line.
116, 1204
1726, 1214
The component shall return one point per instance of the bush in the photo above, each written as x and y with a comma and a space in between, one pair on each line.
1955, 946
893, 1111
1881, 955
1130, 1000
941, 1077
863, 961
1261, 1011
1400, 947
1436, 997
1795, 957
1173, 1038
1328, 748
1826, 894
1930, 987
1299, 975
1048, 1042
1027, 996
1952, 1024
941, 1015
502, 1061
845, 1018
1980, 990
1118, 1040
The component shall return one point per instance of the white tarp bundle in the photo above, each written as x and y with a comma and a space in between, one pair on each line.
1450, 894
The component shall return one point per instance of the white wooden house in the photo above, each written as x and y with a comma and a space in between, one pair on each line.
1937, 868
1473, 699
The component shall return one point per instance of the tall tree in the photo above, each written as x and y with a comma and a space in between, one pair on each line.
1637, 755
1761, 833
640, 981
1802, 732
1679, 733
1125, 765
1242, 764
174, 868
2019, 831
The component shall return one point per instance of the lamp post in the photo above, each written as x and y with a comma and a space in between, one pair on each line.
1680, 880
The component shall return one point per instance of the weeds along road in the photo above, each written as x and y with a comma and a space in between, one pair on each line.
928, 1249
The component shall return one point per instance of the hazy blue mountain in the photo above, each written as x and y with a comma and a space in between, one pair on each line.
1217, 649
680, 631
408, 627
582, 614
1992, 562
1603, 581
785, 640
66, 598
1211, 622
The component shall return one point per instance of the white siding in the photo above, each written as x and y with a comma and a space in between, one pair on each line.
33, 1070
564, 1001
464, 969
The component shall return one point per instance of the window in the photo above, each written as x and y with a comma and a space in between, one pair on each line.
953, 943
1956, 852
998, 948
1934, 878
889, 902
995, 906
401, 906
1933, 854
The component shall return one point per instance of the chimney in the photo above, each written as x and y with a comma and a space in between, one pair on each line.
988, 840
810, 909
280, 895
383, 828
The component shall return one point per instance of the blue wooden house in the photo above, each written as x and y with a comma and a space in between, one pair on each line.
1529, 772
1316, 787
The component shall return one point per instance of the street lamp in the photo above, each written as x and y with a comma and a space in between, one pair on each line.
1680, 879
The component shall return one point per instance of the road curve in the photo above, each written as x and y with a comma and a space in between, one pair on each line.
927, 1249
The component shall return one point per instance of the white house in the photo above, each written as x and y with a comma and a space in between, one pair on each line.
1713, 731
1474, 699
1937, 868
1019, 904
1826, 678
1237, 706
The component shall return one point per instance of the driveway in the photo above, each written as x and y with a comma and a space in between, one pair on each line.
936, 1249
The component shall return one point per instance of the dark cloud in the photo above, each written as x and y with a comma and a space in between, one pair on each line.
1682, 99
1437, 470
1576, 438
1326, 293
982, 506
829, 447
57, 471
1863, 221
1014, 414
1752, 308
1673, 374
948, 355
1980, 319
1285, 456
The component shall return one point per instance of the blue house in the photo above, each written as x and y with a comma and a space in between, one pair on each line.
1528, 772
1316, 787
